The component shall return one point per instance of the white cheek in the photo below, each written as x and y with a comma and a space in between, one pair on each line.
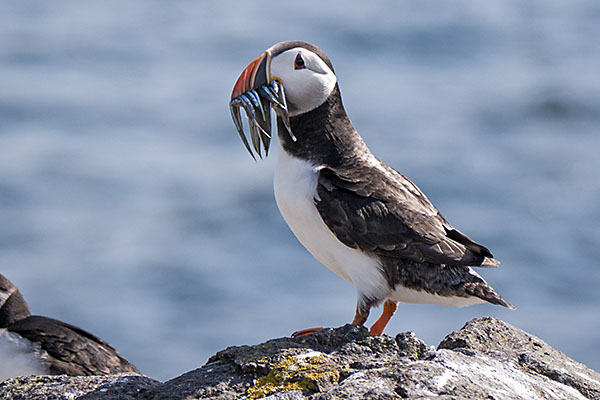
305, 89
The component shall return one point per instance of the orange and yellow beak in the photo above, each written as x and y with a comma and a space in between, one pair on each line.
257, 93
255, 75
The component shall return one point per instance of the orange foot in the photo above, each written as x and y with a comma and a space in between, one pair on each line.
307, 331
389, 308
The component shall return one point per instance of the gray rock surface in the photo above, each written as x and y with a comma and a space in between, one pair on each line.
63, 387
486, 359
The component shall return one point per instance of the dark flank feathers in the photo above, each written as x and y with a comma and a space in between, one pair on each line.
442, 280
66, 349
391, 218
71, 350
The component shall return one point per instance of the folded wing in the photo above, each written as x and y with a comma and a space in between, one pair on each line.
380, 211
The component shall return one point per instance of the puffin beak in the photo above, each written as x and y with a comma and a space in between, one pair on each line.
256, 93
254, 76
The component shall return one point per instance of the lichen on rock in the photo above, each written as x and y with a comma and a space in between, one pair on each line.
308, 372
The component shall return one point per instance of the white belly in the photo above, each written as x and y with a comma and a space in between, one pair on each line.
19, 357
295, 189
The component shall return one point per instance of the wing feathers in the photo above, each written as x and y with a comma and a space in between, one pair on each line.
367, 208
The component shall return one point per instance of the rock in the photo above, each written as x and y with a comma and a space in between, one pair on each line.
505, 343
63, 387
486, 359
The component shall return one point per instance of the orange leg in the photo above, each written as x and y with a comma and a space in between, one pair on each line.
360, 317
389, 308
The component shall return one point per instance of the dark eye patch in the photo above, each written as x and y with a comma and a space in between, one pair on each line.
299, 62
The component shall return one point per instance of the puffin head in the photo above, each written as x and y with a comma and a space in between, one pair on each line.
304, 71
12, 304
292, 78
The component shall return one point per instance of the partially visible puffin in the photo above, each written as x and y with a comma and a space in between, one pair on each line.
35, 345
359, 217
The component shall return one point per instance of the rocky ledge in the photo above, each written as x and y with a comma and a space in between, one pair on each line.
486, 359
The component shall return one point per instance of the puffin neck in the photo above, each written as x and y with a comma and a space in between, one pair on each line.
325, 135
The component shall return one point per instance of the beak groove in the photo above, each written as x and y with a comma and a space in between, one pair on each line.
257, 94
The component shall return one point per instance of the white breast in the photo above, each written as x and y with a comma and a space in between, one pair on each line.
295, 190
19, 357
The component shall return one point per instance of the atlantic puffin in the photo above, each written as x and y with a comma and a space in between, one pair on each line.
361, 218
36, 345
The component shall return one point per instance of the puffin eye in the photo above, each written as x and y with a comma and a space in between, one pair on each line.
299, 62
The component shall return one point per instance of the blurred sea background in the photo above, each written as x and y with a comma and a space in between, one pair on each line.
130, 208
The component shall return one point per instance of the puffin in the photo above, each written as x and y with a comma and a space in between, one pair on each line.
362, 219
36, 345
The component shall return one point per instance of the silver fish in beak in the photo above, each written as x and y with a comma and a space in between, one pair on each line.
256, 93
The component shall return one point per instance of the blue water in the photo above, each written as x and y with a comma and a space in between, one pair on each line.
129, 207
